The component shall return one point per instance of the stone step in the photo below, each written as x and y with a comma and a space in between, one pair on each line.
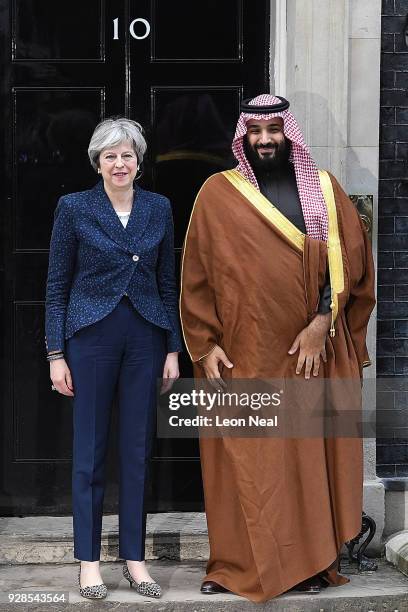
396, 551
385, 590
48, 539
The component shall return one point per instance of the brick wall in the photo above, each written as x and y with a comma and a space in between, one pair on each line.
392, 339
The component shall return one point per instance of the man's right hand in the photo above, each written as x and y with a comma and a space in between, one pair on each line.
61, 377
210, 364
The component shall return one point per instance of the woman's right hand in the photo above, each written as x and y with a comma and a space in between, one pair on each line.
61, 377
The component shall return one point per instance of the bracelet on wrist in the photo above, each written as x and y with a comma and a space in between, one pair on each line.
55, 356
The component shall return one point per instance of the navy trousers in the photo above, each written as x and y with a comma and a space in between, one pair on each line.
122, 350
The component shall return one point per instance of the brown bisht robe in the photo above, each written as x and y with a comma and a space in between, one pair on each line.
278, 510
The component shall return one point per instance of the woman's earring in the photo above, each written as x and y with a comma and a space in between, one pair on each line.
99, 170
137, 177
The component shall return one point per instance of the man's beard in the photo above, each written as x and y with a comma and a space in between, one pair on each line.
268, 163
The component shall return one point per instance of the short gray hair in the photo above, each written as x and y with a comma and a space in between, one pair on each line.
114, 131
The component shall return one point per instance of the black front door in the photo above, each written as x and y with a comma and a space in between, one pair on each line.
180, 68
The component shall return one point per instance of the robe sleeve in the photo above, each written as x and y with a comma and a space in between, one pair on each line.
362, 302
325, 296
361, 275
201, 326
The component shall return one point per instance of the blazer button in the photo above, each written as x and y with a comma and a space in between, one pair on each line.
135, 257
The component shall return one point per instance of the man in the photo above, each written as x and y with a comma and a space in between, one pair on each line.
277, 282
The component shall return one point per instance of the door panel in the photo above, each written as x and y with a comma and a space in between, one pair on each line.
64, 70
43, 31
52, 128
200, 32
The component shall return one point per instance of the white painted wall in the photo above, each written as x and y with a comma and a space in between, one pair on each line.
327, 62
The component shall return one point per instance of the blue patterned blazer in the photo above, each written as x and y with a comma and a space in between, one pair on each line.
94, 261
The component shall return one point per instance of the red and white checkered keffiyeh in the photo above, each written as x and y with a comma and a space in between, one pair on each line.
307, 176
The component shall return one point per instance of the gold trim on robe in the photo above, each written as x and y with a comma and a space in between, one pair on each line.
334, 253
264, 206
181, 280
268, 210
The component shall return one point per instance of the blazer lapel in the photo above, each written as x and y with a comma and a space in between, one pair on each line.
140, 215
127, 237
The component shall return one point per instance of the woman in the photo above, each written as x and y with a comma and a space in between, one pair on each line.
112, 320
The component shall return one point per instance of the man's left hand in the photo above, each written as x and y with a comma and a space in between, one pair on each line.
311, 343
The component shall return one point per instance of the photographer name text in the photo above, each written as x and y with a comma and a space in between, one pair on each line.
217, 421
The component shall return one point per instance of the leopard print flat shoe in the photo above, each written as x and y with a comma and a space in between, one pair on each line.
99, 591
148, 589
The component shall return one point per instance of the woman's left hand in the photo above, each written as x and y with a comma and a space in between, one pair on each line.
170, 372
